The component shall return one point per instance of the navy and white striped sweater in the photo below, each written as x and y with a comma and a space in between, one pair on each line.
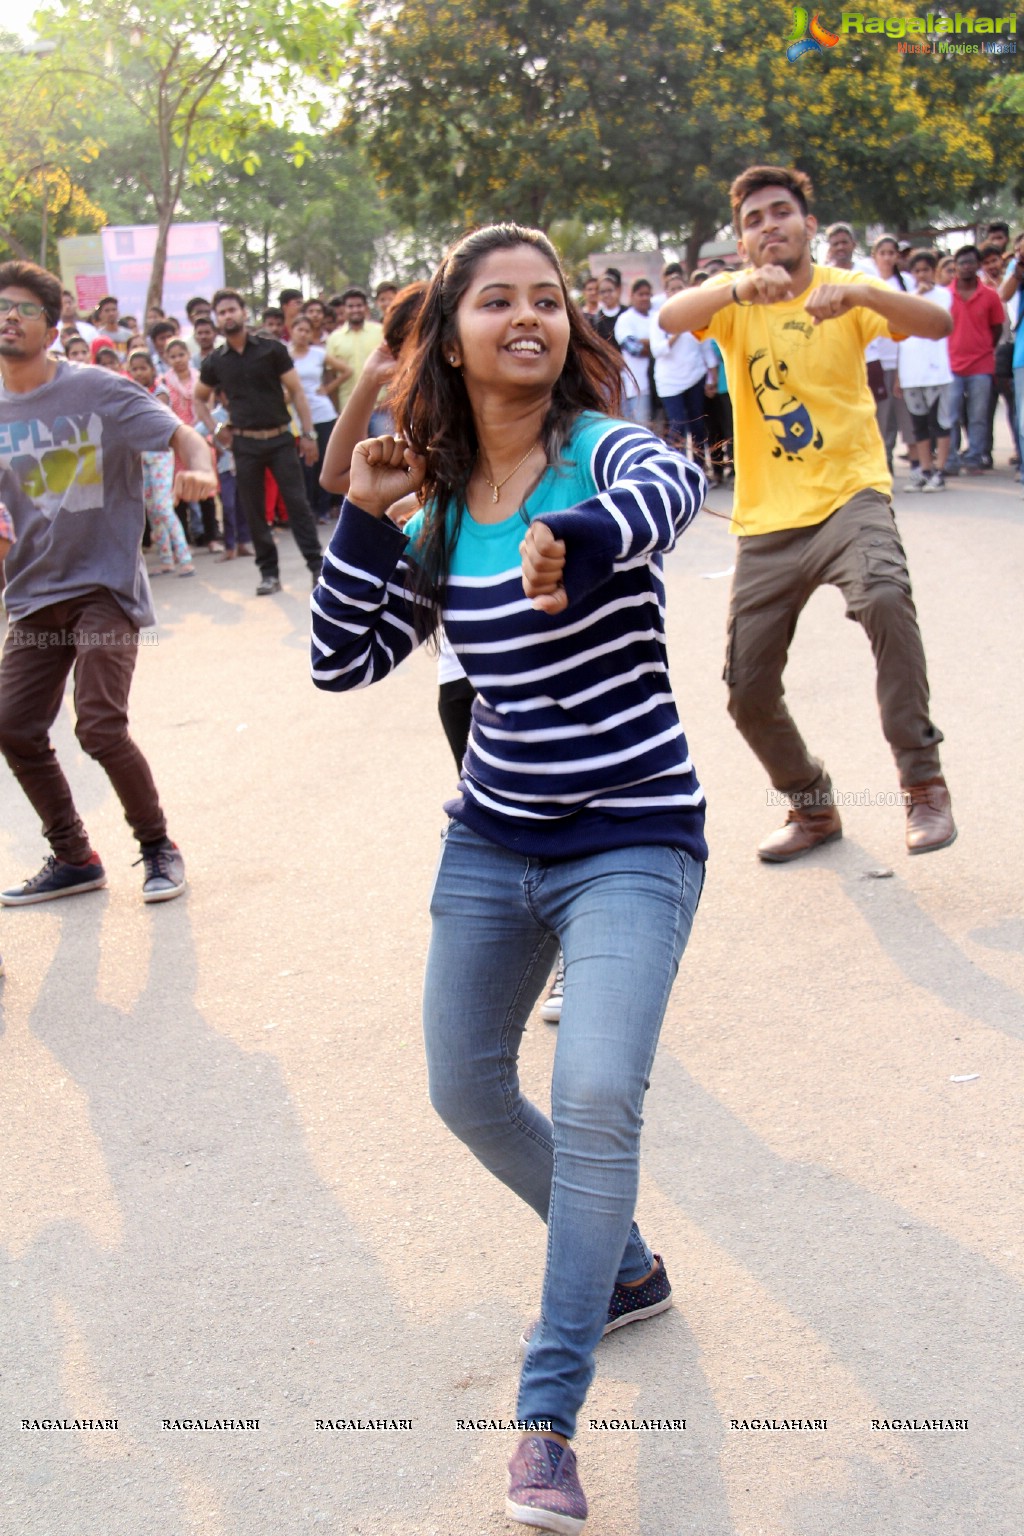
575, 744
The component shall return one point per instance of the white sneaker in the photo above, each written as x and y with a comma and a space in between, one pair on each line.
551, 1007
917, 481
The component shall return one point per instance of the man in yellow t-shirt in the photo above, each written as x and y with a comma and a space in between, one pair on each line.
812, 503
351, 344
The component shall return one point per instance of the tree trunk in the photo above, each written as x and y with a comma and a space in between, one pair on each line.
21, 252
155, 292
44, 238
698, 234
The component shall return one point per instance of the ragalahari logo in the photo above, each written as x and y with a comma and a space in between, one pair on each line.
808, 35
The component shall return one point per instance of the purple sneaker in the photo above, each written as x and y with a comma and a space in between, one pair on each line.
629, 1303
543, 1488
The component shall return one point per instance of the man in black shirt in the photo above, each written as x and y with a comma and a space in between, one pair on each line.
255, 372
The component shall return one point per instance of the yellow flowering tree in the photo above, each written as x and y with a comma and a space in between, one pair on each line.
46, 151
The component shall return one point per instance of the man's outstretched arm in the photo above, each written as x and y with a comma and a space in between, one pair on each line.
196, 480
695, 308
905, 313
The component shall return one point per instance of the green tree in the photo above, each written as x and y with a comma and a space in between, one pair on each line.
543, 110
472, 111
185, 80
317, 212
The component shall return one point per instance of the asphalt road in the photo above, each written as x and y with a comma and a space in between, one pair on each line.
226, 1198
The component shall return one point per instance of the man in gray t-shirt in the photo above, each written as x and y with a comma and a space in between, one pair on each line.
72, 479
77, 592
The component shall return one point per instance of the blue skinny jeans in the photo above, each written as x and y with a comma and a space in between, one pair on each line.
622, 919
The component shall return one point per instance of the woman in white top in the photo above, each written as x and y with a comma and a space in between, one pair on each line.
633, 337
309, 365
893, 416
681, 367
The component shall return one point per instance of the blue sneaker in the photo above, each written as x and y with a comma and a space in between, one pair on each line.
629, 1303
163, 875
56, 879
544, 1488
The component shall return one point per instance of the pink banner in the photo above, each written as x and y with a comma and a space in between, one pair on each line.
195, 265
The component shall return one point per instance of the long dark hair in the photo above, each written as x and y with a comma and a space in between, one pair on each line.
400, 320
432, 410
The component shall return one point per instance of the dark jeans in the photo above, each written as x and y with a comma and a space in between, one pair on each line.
278, 454
199, 520
93, 635
685, 416
1002, 388
235, 529
322, 502
858, 550
719, 423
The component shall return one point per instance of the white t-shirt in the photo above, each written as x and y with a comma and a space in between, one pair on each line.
632, 328
922, 362
883, 347
449, 667
679, 364
310, 369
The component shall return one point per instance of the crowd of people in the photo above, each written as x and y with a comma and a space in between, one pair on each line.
484, 452
316, 350
929, 393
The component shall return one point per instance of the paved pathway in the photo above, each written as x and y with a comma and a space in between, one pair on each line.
226, 1197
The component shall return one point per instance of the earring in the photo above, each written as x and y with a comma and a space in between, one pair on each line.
453, 359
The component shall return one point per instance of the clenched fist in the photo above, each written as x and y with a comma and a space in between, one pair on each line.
384, 469
543, 559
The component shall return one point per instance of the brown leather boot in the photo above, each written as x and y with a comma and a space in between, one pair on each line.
803, 830
930, 822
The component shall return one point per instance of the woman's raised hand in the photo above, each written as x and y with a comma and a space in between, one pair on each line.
381, 364
384, 469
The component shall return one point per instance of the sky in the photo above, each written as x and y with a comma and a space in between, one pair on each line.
18, 14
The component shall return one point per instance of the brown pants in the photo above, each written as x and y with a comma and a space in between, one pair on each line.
858, 550
93, 635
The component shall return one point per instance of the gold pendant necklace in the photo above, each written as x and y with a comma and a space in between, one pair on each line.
497, 488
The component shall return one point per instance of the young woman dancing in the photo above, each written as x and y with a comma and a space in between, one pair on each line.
579, 819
